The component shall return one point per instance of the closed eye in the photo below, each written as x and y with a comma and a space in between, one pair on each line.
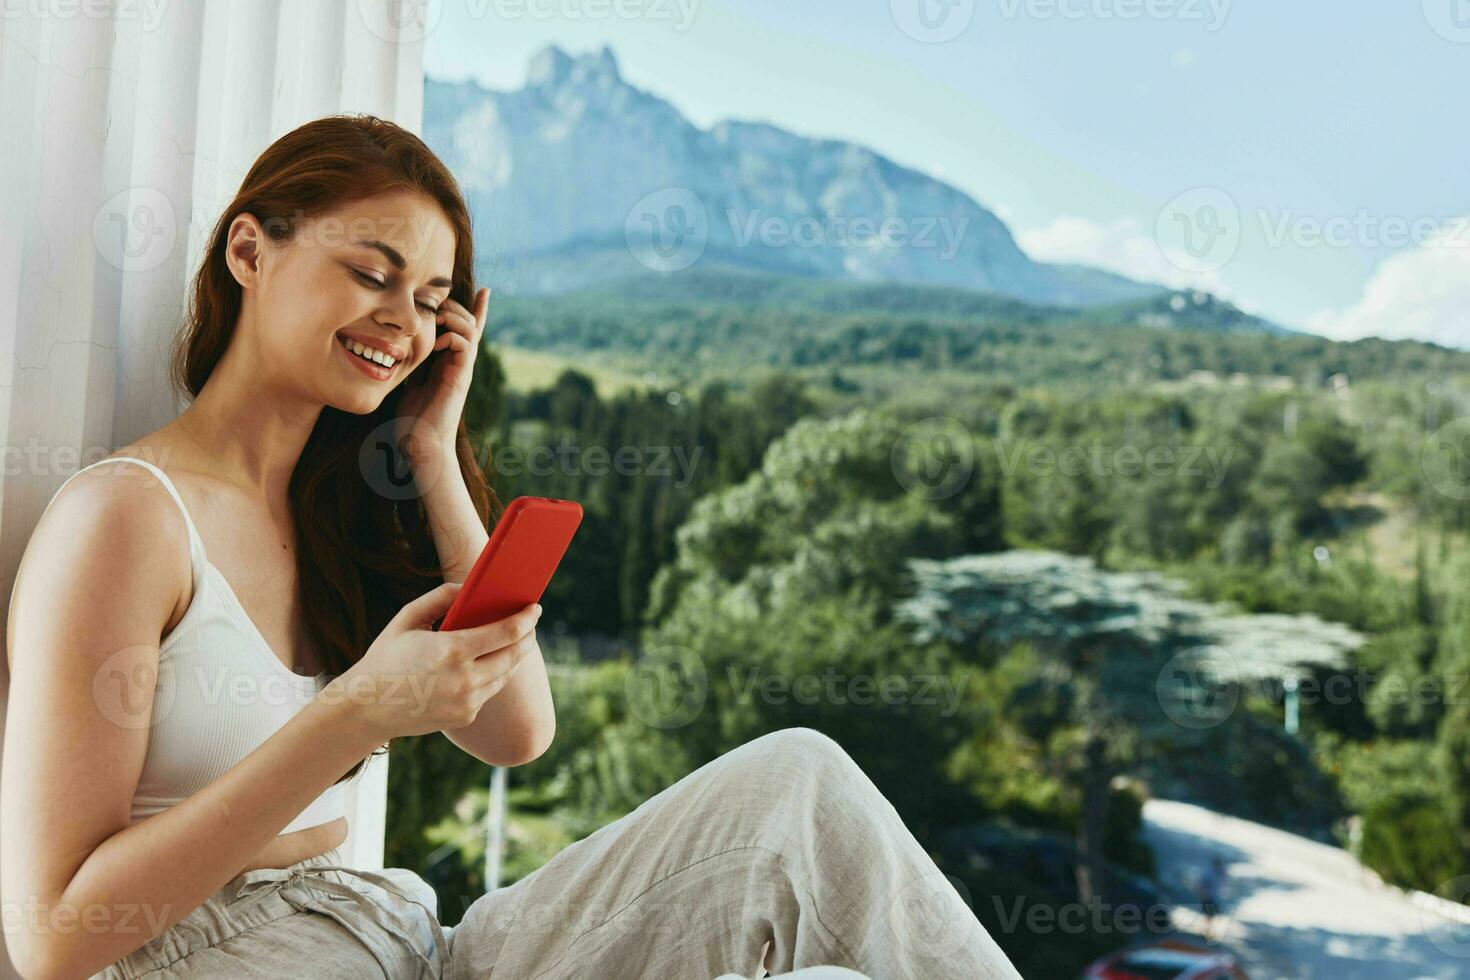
376, 283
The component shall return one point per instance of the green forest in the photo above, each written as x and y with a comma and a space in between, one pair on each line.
1105, 550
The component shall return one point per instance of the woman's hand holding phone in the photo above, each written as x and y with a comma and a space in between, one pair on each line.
423, 675
414, 679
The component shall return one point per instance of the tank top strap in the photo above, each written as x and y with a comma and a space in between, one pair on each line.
197, 558
196, 543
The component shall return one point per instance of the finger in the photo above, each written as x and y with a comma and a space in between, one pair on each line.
456, 321
482, 308
499, 665
429, 606
454, 343
474, 641
512, 652
457, 325
449, 340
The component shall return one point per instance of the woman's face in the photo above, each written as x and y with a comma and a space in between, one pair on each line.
370, 273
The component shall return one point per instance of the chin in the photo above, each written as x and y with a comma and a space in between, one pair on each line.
360, 404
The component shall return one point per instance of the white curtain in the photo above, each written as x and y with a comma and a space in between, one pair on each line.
125, 132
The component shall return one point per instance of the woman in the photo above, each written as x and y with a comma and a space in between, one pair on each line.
212, 628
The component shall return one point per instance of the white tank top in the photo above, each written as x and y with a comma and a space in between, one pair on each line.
221, 691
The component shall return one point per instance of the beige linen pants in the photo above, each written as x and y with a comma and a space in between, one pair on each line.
778, 856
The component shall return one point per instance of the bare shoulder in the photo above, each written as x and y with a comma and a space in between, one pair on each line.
112, 530
122, 497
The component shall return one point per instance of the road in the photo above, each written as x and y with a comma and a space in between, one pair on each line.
1297, 908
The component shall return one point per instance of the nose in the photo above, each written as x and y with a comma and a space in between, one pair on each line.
402, 315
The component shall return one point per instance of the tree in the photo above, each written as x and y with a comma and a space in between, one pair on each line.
1129, 661
827, 501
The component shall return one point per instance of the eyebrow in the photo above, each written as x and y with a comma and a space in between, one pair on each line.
396, 259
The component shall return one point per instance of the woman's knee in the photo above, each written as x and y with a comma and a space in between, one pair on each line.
810, 750
801, 761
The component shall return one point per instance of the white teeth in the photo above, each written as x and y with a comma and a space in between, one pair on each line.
368, 353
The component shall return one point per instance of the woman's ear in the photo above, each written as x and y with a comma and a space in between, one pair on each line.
243, 246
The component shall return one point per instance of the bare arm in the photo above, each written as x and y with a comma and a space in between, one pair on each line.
102, 575
518, 724
207, 838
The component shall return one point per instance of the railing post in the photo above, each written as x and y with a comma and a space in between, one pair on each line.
495, 829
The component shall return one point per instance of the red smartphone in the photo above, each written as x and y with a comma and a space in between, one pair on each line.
513, 571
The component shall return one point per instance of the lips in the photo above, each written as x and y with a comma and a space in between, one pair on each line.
370, 368
388, 347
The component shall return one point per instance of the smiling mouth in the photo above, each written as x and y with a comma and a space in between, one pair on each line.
368, 354
367, 365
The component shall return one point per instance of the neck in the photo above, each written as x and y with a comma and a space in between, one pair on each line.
251, 429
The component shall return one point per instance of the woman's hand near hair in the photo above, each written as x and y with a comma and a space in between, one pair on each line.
434, 394
414, 679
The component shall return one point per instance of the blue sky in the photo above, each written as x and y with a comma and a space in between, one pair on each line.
1327, 139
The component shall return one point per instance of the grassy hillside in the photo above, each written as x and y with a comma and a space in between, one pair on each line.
697, 325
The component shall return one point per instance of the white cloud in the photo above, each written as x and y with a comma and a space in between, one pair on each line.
1123, 246
1419, 294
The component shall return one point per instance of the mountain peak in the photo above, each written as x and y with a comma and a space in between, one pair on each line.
552, 66
567, 165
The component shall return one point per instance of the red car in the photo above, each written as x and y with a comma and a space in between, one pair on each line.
1167, 959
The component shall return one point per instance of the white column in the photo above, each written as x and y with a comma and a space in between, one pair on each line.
495, 829
124, 137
